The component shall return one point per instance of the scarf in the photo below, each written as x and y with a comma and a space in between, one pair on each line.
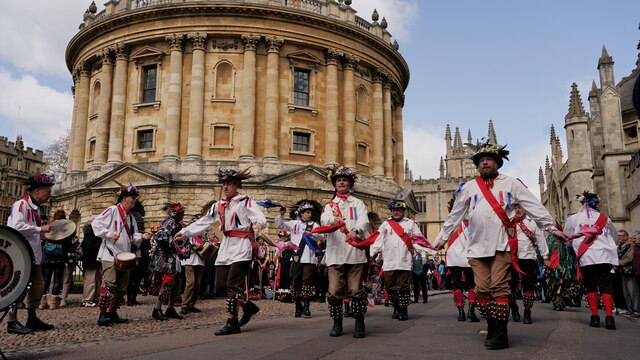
342, 196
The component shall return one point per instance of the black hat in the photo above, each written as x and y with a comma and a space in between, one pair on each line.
40, 180
497, 152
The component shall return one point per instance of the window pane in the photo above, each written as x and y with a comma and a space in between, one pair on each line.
301, 87
145, 139
301, 142
149, 89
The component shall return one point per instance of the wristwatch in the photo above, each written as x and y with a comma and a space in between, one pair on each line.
355, 231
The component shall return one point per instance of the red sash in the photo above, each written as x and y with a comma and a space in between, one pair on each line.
399, 230
458, 232
336, 212
589, 239
509, 225
124, 221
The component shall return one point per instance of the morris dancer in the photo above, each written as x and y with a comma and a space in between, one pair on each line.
194, 268
458, 264
345, 263
25, 218
530, 238
394, 242
118, 229
593, 238
493, 245
304, 260
238, 217
165, 263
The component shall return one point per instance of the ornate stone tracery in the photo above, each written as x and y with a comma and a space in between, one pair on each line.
250, 41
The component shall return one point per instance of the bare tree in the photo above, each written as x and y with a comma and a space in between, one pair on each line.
56, 156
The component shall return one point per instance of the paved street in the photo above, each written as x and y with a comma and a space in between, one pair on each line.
432, 331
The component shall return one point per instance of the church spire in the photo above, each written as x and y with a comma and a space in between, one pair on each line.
469, 137
492, 133
441, 167
457, 140
576, 109
447, 134
553, 135
605, 67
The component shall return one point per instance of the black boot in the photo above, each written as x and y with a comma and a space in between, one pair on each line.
305, 309
403, 314
395, 311
515, 311
386, 302
501, 338
491, 331
358, 329
336, 330
104, 319
36, 324
172, 314
14, 327
298, 308
231, 327
526, 319
609, 323
158, 315
471, 315
117, 319
248, 310
461, 316
595, 321
347, 309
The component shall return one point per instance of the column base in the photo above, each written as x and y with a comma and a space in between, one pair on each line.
378, 176
193, 157
170, 158
270, 158
247, 157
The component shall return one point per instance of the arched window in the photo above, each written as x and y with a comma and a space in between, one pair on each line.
95, 99
362, 108
224, 82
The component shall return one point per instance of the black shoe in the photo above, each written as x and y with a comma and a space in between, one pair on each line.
415, 301
184, 311
248, 310
471, 314
305, 309
595, 321
336, 330
425, 301
491, 331
501, 338
231, 327
117, 319
298, 312
194, 309
130, 303
403, 314
135, 302
358, 329
14, 327
37, 324
515, 312
395, 312
461, 316
609, 323
172, 314
526, 319
158, 315
386, 302
104, 320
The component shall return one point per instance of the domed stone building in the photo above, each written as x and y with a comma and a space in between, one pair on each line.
168, 92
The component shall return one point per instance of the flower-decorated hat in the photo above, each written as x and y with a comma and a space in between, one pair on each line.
173, 208
337, 171
234, 176
588, 198
397, 204
497, 152
304, 207
40, 180
127, 191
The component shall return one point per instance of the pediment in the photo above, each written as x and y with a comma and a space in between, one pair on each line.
609, 92
303, 56
127, 174
148, 54
309, 177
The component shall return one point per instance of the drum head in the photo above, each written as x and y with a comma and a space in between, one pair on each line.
61, 230
16, 263
126, 256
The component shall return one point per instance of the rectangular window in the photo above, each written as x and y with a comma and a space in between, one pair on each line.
92, 149
362, 154
145, 139
149, 84
222, 136
301, 141
301, 87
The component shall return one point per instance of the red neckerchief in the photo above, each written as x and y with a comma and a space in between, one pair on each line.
490, 181
222, 205
124, 211
519, 221
342, 196
399, 230
35, 213
508, 223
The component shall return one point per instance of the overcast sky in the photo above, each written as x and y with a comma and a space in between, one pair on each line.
470, 61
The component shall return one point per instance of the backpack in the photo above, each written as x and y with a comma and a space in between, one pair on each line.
53, 249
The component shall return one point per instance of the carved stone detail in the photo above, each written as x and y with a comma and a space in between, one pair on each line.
350, 61
105, 56
225, 45
198, 40
333, 56
250, 41
82, 70
273, 43
176, 42
121, 50
379, 75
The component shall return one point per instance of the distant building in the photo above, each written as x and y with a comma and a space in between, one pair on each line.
17, 164
603, 151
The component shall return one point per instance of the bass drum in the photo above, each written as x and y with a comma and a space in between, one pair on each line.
16, 266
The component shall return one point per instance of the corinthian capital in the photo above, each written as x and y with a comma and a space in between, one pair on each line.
350, 61
121, 50
250, 41
82, 69
333, 55
379, 75
176, 42
105, 56
273, 43
198, 40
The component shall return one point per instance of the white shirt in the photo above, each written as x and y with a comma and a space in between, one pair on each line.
338, 251
194, 259
604, 249
111, 222
23, 219
395, 253
240, 214
526, 249
487, 233
296, 228
457, 252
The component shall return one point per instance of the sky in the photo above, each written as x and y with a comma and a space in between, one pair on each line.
470, 61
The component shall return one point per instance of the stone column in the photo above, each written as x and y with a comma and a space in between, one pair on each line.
397, 129
72, 132
174, 98
331, 113
272, 99
388, 135
104, 108
349, 115
248, 119
196, 102
83, 71
377, 125
118, 104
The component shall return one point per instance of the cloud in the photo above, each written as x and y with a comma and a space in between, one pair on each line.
37, 112
423, 150
400, 14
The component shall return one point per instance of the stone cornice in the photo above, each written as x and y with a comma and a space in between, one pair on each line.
139, 16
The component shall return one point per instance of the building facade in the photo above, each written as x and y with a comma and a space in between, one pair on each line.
17, 164
168, 92
603, 151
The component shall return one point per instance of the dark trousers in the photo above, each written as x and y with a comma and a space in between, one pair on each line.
419, 285
304, 277
597, 277
528, 279
230, 279
456, 278
57, 272
397, 280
